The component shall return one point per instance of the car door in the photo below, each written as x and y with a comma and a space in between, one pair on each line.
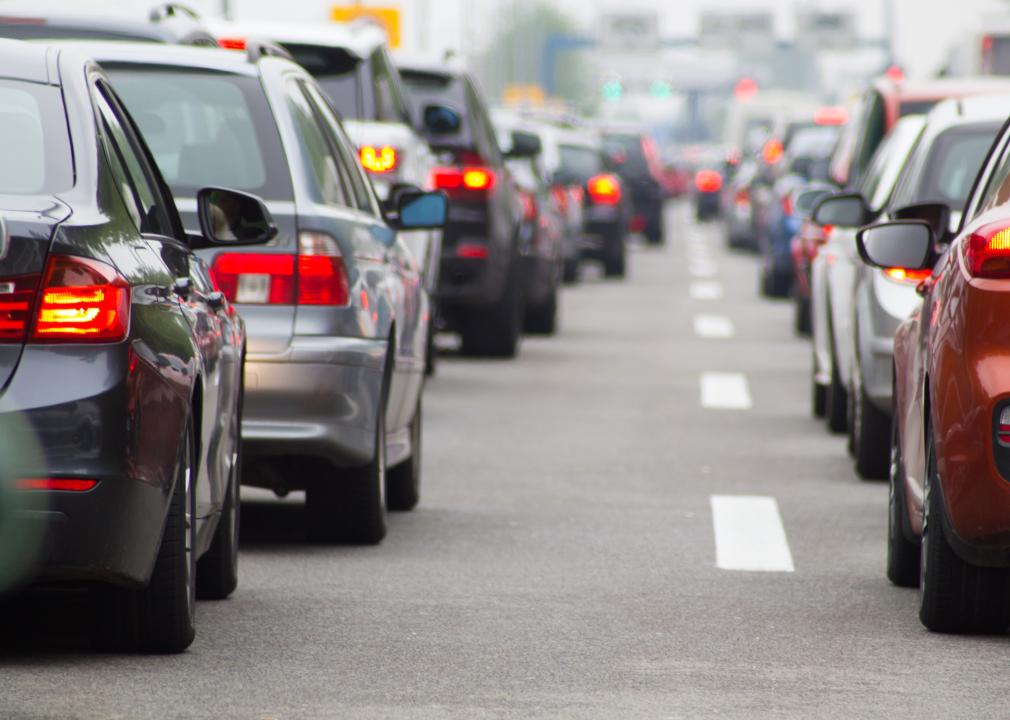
408, 295
162, 233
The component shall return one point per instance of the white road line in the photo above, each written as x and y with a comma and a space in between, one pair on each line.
725, 391
702, 268
749, 534
706, 290
713, 327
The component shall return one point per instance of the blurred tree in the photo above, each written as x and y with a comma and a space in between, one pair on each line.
516, 55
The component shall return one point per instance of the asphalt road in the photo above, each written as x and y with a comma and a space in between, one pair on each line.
564, 561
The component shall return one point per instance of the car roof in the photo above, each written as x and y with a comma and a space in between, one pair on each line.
360, 38
940, 88
26, 61
141, 53
430, 64
166, 23
972, 109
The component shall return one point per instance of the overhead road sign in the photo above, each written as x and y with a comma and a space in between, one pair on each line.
740, 31
816, 30
388, 18
630, 32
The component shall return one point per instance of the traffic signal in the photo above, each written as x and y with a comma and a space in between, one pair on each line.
612, 90
661, 90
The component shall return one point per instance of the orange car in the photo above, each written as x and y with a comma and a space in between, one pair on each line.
950, 470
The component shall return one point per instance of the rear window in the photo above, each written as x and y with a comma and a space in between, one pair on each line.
916, 107
336, 71
628, 147
996, 55
425, 88
34, 141
206, 128
816, 141
580, 161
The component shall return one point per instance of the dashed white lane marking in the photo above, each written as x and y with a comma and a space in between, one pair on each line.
706, 290
702, 268
725, 391
749, 534
713, 327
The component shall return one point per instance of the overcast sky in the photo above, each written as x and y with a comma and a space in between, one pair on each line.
926, 29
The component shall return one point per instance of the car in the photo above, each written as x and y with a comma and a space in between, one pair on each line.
635, 159
544, 224
949, 519
165, 23
352, 64
832, 271
803, 248
940, 169
335, 306
117, 353
480, 291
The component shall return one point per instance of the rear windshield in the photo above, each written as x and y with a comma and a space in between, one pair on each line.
816, 141
34, 141
206, 128
425, 88
626, 149
996, 55
945, 171
336, 71
580, 161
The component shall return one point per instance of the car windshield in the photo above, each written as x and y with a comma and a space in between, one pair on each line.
580, 161
34, 141
206, 128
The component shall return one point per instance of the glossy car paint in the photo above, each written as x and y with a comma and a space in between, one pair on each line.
116, 412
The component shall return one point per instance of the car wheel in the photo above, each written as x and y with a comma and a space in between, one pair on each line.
350, 505
496, 332
161, 617
403, 482
955, 596
543, 320
870, 428
654, 231
818, 394
615, 260
902, 554
570, 272
836, 403
430, 351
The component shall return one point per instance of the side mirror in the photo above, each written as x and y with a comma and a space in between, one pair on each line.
441, 120
904, 244
843, 209
936, 214
805, 200
524, 145
420, 211
229, 217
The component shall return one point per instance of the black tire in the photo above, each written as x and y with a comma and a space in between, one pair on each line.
956, 596
871, 437
801, 319
349, 506
779, 285
543, 319
654, 230
615, 259
217, 570
818, 393
902, 554
161, 617
570, 271
496, 331
836, 403
403, 482
430, 351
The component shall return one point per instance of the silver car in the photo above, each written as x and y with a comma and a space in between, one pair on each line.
833, 270
940, 170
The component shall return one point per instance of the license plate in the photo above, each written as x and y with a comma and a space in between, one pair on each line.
253, 288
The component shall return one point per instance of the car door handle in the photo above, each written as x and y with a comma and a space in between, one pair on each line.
182, 287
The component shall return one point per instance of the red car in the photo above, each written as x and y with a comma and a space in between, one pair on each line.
950, 470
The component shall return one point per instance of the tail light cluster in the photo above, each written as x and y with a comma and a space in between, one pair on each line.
604, 189
742, 197
463, 181
79, 300
379, 159
708, 181
315, 276
1003, 427
529, 203
987, 252
907, 275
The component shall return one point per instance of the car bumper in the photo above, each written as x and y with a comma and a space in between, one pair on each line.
318, 399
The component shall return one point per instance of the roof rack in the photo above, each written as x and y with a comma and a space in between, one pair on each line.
172, 9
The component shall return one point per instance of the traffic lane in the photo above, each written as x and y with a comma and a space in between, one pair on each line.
562, 560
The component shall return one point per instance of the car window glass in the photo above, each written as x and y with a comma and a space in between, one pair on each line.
874, 129
34, 142
336, 71
347, 158
580, 162
997, 190
323, 171
484, 134
153, 215
882, 175
388, 104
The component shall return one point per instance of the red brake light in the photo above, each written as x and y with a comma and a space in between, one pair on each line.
831, 115
604, 189
708, 181
255, 279
471, 251
907, 275
232, 43
987, 252
772, 151
477, 179
81, 300
322, 279
17, 295
379, 159
742, 197
72, 484
529, 203
467, 179
787, 204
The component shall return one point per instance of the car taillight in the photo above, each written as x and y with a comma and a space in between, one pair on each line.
604, 189
906, 275
379, 159
322, 279
742, 197
17, 295
560, 196
81, 300
472, 251
232, 43
65, 484
708, 181
987, 252
529, 203
255, 279
787, 204
1003, 427
772, 151
463, 179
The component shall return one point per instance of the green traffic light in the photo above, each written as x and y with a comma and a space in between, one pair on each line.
661, 90
612, 90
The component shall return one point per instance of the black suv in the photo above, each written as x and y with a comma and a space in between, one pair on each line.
635, 159
480, 283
